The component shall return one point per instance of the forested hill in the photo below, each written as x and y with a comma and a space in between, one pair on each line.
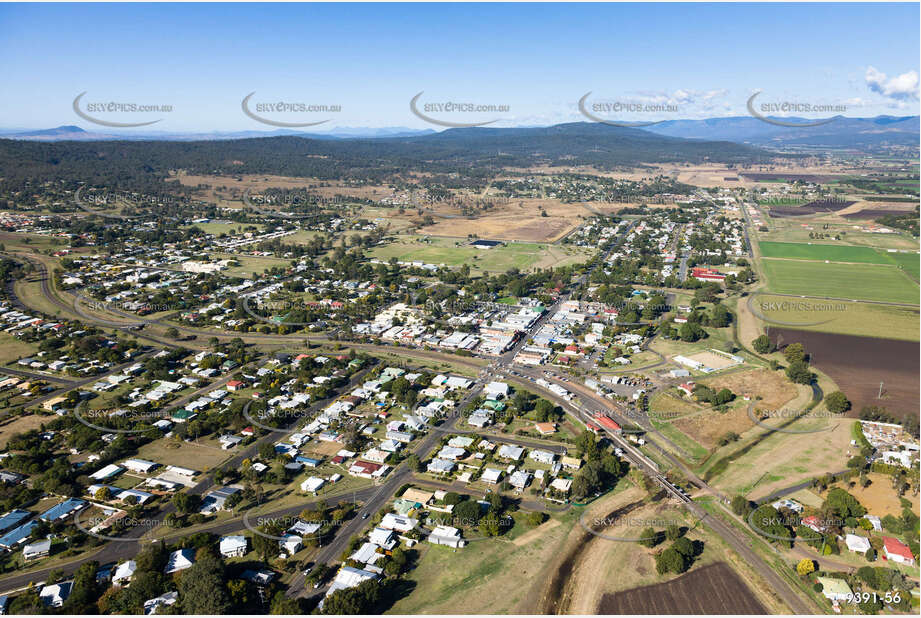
475, 151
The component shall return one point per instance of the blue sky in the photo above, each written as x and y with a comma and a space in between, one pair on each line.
704, 60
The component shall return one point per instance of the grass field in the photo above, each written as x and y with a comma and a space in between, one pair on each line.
12, 349
499, 259
498, 569
793, 232
834, 253
910, 263
863, 319
854, 281
195, 456
21, 424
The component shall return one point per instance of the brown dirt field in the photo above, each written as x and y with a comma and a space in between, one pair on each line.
712, 359
714, 589
324, 448
771, 386
879, 498
859, 364
709, 426
518, 220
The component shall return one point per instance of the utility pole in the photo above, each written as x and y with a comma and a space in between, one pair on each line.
880, 394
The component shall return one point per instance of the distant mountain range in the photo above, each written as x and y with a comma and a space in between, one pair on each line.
75, 133
840, 132
474, 151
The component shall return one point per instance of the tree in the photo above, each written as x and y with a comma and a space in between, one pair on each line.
467, 513
649, 537
805, 567
536, 518
741, 506
201, 586
673, 532
837, 402
172, 333
360, 599
671, 561
414, 463
794, 352
763, 344
798, 372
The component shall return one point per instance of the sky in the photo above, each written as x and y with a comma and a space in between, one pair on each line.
531, 62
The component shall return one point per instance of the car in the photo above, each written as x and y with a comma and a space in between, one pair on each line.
364, 516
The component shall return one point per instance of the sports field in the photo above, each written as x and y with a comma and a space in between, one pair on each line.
851, 281
455, 252
832, 253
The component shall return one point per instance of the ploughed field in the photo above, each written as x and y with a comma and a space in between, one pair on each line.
812, 208
859, 364
713, 589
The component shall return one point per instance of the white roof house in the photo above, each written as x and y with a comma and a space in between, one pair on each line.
55, 594
106, 472
392, 521
312, 484
491, 475
139, 465
496, 390
446, 535
152, 605
510, 451
124, 571
179, 561
231, 546
857, 543
440, 466
367, 554
383, 538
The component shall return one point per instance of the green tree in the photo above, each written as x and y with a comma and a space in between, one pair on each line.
837, 402
201, 586
794, 352
763, 344
798, 372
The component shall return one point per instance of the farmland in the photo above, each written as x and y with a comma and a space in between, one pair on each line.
859, 364
714, 589
833, 253
846, 318
857, 281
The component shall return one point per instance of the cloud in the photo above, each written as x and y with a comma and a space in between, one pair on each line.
904, 86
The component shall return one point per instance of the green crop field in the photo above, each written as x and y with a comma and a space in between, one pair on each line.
910, 263
833, 253
852, 281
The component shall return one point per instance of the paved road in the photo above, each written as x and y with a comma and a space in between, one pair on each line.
29, 375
